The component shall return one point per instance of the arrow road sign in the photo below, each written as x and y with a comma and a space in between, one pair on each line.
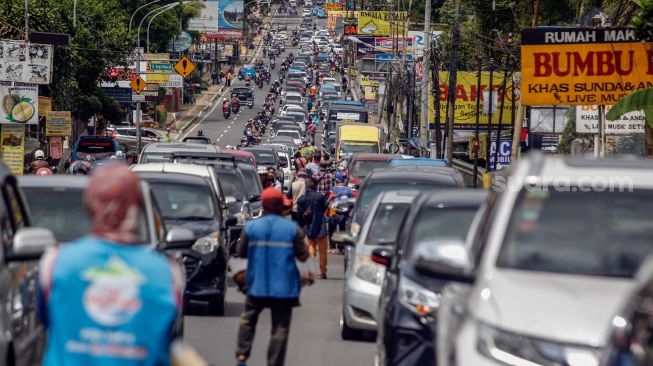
184, 67
138, 84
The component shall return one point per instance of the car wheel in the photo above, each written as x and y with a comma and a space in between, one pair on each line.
347, 333
217, 306
124, 147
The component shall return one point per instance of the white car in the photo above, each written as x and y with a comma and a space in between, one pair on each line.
283, 110
329, 80
308, 3
306, 12
283, 35
293, 98
337, 49
554, 256
293, 134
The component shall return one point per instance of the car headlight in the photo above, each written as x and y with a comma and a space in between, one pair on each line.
517, 349
367, 270
417, 298
206, 244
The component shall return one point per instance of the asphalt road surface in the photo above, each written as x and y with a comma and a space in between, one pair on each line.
315, 333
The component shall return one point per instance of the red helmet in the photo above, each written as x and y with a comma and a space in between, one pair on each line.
43, 171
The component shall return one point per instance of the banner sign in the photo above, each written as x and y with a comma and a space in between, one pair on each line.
382, 23
19, 104
59, 123
55, 145
181, 42
331, 5
155, 57
583, 66
120, 95
13, 147
502, 158
466, 96
208, 19
587, 121
385, 44
45, 106
201, 57
231, 17
25, 62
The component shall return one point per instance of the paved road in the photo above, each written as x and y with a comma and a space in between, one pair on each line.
315, 334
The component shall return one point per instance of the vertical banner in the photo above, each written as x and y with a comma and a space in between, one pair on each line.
56, 147
13, 147
45, 106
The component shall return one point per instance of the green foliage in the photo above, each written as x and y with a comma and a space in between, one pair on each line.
569, 134
635, 101
643, 21
630, 144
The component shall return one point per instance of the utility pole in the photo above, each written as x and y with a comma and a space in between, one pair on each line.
436, 134
453, 80
426, 90
26, 20
489, 110
477, 142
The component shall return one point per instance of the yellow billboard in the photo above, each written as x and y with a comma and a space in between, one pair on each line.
13, 147
583, 66
467, 94
333, 15
381, 23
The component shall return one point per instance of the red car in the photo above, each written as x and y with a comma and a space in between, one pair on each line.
362, 164
241, 155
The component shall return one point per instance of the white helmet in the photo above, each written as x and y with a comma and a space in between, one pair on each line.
39, 155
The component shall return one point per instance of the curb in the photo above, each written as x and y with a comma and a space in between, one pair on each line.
222, 92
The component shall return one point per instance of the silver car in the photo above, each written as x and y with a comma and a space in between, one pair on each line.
364, 278
127, 137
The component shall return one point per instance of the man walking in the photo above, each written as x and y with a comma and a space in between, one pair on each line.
96, 293
311, 209
270, 242
324, 179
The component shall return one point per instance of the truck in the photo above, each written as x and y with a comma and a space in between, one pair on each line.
352, 138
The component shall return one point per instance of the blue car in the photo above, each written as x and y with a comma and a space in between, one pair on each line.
321, 13
315, 10
248, 69
99, 147
416, 162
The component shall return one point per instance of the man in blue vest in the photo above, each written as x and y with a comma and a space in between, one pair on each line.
270, 245
106, 299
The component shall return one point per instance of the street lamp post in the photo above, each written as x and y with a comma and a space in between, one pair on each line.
160, 10
131, 20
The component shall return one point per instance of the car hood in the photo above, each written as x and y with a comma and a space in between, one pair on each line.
199, 228
565, 308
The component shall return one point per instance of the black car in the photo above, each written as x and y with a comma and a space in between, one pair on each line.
189, 202
244, 94
409, 299
266, 157
274, 50
420, 179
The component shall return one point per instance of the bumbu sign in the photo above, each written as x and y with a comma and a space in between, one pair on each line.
583, 66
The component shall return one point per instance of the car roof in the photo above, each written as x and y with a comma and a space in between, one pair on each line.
67, 181
370, 156
180, 178
398, 196
453, 197
169, 147
191, 169
416, 174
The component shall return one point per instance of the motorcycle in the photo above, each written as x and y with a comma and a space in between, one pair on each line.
250, 103
226, 111
235, 107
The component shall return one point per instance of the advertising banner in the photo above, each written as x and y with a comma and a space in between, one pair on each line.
120, 95
19, 104
25, 62
45, 106
334, 15
59, 123
332, 5
13, 147
381, 23
181, 42
231, 18
583, 66
56, 147
501, 158
587, 121
466, 96
208, 19
385, 44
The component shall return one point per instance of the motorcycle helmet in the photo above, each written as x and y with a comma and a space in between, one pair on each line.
90, 159
43, 171
78, 168
120, 155
229, 147
200, 133
39, 155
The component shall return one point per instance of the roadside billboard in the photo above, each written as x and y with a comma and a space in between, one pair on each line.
587, 121
231, 18
467, 94
381, 23
12, 143
19, 103
208, 19
583, 66
25, 62
332, 5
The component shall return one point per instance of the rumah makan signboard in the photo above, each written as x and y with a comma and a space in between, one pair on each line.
583, 66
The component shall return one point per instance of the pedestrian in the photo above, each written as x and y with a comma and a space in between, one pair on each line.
309, 104
324, 179
270, 180
96, 293
311, 209
339, 192
312, 129
214, 77
299, 162
270, 242
297, 190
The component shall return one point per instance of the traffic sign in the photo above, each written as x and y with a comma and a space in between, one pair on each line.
160, 67
138, 84
184, 67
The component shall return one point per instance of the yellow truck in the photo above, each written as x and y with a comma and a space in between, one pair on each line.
352, 138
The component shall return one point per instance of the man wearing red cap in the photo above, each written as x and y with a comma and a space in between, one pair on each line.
270, 244
95, 293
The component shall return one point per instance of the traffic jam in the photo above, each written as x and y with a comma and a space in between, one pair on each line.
152, 245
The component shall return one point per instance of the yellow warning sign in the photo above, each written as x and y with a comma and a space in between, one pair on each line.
184, 67
138, 84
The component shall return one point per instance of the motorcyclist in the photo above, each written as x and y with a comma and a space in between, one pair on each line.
200, 133
225, 104
38, 162
78, 168
235, 104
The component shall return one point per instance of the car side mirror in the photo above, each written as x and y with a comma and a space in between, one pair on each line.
382, 256
341, 237
230, 201
179, 238
30, 243
231, 221
445, 259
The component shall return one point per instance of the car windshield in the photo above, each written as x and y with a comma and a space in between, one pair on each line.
353, 147
184, 201
252, 182
62, 210
363, 167
156, 158
264, 157
99, 149
232, 184
385, 225
373, 190
583, 233
433, 222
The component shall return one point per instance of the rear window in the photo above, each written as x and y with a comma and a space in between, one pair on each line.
99, 149
371, 191
156, 158
386, 223
434, 222
231, 183
361, 168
